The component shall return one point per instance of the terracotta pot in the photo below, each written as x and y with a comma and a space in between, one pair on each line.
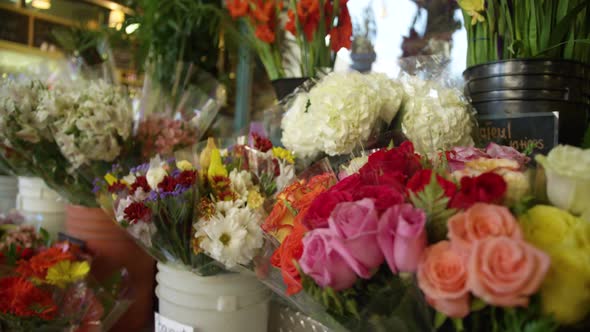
114, 249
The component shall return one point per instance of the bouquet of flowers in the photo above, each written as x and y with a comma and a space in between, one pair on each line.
196, 209
45, 287
320, 27
461, 231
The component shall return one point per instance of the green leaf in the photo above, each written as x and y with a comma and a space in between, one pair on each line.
45, 236
439, 319
478, 304
458, 324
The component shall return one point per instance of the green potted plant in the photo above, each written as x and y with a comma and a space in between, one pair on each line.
363, 53
530, 56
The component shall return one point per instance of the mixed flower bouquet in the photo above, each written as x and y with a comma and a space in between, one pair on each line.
45, 287
462, 231
201, 209
320, 27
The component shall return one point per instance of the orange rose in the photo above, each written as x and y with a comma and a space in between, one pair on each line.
290, 251
442, 276
479, 222
505, 272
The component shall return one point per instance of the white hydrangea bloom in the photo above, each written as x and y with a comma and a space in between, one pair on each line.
338, 114
434, 117
232, 238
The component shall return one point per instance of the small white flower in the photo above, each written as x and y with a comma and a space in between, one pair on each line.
233, 238
156, 173
130, 178
286, 175
120, 210
240, 182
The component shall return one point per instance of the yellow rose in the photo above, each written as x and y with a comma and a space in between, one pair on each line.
565, 293
548, 227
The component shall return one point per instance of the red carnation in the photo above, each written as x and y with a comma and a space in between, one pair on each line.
135, 212
384, 196
322, 206
261, 143
168, 184
401, 161
140, 182
486, 188
187, 178
422, 178
116, 187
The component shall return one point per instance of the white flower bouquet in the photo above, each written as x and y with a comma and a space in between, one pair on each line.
339, 113
200, 211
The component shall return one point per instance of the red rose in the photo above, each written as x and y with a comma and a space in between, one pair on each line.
187, 178
140, 182
422, 178
349, 184
401, 161
168, 184
322, 206
383, 196
486, 188
135, 212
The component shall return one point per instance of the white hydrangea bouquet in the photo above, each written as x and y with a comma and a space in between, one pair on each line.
339, 113
202, 211
69, 131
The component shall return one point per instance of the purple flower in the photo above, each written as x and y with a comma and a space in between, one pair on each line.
96, 185
140, 169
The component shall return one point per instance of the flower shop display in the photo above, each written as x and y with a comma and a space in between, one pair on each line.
318, 29
460, 232
529, 57
48, 287
199, 215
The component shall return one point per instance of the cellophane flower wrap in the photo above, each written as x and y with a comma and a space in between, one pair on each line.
46, 286
200, 211
68, 131
459, 232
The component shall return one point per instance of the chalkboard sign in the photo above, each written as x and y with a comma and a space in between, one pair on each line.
521, 130
14, 27
43, 32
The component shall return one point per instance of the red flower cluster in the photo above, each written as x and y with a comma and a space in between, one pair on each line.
262, 13
135, 212
308, 18
38, 265
261, 143
140, 182
20, 297
183, 179
116, 187
486, 188
422, 178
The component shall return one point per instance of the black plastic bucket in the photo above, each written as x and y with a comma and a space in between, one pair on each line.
532, 86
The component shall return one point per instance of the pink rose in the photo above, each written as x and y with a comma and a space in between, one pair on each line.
402, 237
355, 225
442, 276
506, 152
322, 206
459, 155
479, 222
323, 263
505, 272
384, 196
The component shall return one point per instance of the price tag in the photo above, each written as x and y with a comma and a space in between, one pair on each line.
163, 324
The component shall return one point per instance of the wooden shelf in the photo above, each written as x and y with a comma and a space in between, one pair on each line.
28, 50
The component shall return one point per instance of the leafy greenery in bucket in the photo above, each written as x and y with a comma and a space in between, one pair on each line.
508, 29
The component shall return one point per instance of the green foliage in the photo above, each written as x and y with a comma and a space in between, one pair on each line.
556, 29
385, 303
434, 202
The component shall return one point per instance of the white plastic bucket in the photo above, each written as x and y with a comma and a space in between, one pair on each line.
41, 206
8, 190
220, 303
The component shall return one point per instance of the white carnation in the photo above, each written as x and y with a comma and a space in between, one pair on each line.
231, 238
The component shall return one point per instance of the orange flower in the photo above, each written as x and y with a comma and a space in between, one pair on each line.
264, 33
340, 36
237, 8
38, 265
308, 15
22, 298
289, 252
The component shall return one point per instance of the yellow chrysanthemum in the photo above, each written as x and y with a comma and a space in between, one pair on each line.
66, 272
255, 200
184, 165
283, 154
